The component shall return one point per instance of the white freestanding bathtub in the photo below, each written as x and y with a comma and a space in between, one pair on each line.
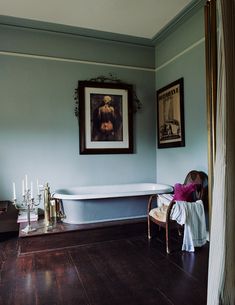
91, 204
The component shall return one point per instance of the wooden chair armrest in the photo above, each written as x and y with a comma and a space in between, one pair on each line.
150, 201
168, 213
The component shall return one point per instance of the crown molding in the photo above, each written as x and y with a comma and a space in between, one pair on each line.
190, 10
75, 31
102, 35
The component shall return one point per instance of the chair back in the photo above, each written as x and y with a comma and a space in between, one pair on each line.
201, 179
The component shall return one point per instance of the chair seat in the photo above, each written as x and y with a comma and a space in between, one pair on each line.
159, 213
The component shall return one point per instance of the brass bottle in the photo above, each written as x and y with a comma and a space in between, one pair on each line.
53, 211
47, 197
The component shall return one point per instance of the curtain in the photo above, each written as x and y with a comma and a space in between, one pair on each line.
221, 276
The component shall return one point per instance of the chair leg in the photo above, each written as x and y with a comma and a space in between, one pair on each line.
168, 249
148, 210
149, 228
167, 240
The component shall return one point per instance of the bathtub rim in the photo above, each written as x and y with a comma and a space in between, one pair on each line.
163, 188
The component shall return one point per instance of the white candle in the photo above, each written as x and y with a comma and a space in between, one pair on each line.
14, 191
38, 190
23, 189
26, 183
31, 192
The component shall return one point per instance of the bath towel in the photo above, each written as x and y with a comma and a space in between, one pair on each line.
192, 216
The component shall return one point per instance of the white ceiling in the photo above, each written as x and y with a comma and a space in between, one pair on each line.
140, 18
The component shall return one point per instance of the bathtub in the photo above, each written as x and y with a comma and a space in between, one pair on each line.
92, 204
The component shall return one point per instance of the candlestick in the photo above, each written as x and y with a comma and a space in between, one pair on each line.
28, 203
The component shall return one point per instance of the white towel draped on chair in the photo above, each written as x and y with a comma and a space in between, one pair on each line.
192, 216
164, 199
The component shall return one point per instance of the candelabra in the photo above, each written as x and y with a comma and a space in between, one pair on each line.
27, 205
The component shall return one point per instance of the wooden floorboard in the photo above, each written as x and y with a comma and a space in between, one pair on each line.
125, 271
115, 275
56, 280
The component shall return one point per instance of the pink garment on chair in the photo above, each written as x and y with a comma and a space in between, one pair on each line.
183, 192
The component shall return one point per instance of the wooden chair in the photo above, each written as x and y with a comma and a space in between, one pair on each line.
164, 221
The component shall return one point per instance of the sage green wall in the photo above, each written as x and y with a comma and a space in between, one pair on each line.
38, 128
182, 54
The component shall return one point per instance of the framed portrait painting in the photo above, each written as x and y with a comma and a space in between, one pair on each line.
105, 118
170, 115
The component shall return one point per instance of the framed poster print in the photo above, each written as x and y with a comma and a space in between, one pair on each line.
170, 115
105, 118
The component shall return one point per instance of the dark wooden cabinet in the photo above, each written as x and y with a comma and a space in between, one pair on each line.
8, 217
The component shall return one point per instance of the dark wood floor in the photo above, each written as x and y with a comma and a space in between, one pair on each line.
123, 271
